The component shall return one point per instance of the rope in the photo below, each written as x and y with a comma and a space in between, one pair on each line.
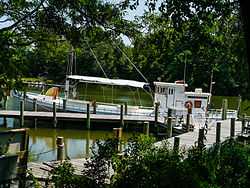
131, 62
96, 59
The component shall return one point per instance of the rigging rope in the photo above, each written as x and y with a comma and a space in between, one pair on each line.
96, 59
131, 62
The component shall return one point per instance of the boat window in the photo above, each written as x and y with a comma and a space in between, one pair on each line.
197, 104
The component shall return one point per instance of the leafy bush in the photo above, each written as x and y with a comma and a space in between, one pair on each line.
142, 164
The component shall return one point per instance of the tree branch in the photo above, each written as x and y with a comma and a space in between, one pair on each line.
22, 19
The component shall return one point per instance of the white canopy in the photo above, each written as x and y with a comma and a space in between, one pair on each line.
107, 81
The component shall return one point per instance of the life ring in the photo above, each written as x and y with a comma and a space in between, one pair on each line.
188, 104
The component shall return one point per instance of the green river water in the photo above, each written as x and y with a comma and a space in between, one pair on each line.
42, 141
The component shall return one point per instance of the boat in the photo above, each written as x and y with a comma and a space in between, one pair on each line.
168, 96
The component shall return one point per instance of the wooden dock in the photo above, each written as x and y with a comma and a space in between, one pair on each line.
189, 139
41, 170
69, 116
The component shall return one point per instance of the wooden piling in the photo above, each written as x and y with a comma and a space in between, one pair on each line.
5, 122
218, 132
224, 109
94, 107
54, 115
126, 108
157, 104
118, 135
60, 148
176, 144
201, 138
232, 128
243, 123
188, 122
64, 104
88, 116
146, 128
35, 109
169, 127
121, 117
169, 112
21, 120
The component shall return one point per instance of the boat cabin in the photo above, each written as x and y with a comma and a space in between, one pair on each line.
173, 96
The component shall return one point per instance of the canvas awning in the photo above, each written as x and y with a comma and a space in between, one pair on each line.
107, 81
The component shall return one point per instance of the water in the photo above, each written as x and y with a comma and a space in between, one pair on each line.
42, 142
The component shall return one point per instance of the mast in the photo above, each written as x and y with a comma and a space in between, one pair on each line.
71, 59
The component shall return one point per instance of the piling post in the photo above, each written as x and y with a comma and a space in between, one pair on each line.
64, 104
201, 137
21, 113
88, 116
60, 148
232, 128
218, 131
94, 106
54, 114
176, 144
121, 116
243, 125
126, 108
157, 104
146, 128
35, 109
5, 122
169, 127
224, 109
188, 119
118, 135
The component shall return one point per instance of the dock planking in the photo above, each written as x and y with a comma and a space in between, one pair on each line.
189, 139
77, 116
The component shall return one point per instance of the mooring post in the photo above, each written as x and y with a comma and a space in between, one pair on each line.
35, 109
121, 116
224, 109
218, 131
5, 122
201, 137
157, 104
232, 128
21, 113
54, 114
88, 116
60, 148
64, 104
188, 119
118, 135
176, 144
243, 125
169, 127
94, 107
146, 128
126, 108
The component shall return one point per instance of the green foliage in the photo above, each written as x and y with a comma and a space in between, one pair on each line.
63, 176
142, 164
98, 167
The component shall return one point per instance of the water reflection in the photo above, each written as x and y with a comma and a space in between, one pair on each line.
42, 142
